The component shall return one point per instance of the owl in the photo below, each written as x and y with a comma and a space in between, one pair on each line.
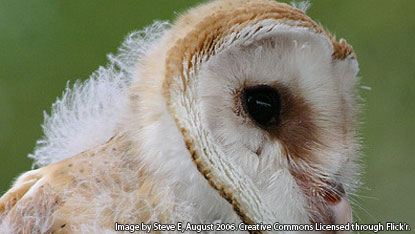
240, 116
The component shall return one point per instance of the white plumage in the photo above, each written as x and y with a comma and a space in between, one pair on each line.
168, 132
87, 114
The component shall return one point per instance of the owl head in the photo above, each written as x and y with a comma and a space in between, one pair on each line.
247, 109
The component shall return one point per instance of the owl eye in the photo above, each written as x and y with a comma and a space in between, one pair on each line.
263, 105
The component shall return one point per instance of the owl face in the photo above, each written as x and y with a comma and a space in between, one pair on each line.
259, 102
275, 107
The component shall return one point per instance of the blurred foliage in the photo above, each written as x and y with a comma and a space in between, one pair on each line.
43, 44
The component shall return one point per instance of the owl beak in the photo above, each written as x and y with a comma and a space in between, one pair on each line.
342, 213
339, 207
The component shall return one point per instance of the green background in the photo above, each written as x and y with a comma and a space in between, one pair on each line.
43, 44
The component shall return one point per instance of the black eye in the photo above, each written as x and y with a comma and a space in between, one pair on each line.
263, 104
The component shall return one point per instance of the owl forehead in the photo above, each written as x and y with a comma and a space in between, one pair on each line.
284, 54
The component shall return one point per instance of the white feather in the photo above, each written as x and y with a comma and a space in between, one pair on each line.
88, 112
302, 6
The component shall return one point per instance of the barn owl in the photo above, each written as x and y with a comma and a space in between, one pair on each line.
241, 111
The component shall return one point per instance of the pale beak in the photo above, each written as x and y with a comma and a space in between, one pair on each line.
340, 208
342, 213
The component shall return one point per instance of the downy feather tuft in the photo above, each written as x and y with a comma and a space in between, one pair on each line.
88, 112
